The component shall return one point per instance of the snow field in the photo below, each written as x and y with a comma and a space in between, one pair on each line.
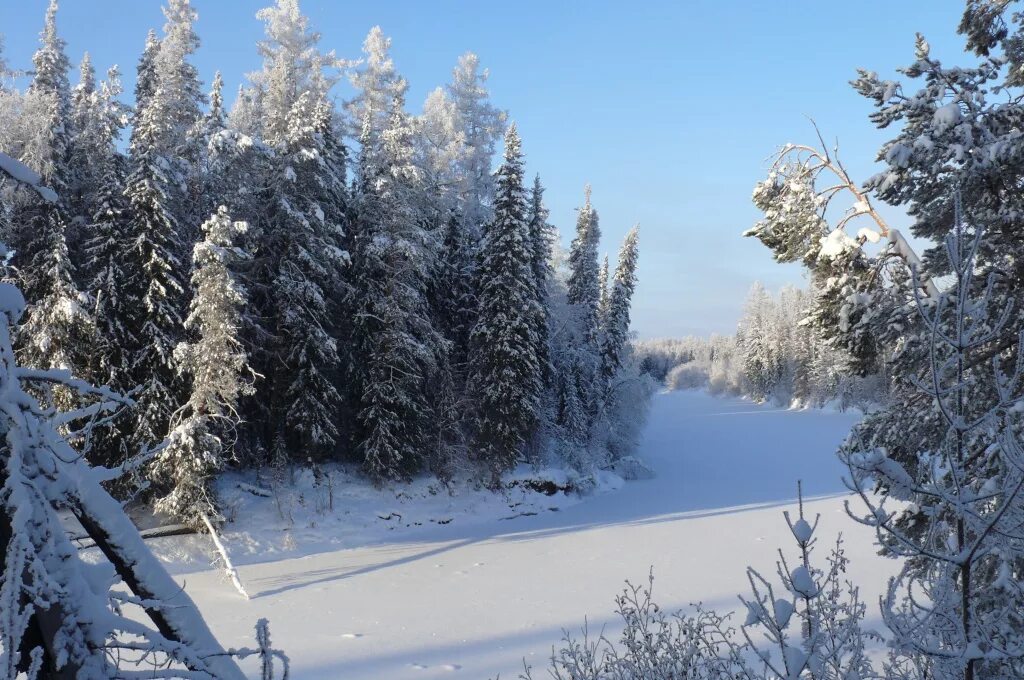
477, 590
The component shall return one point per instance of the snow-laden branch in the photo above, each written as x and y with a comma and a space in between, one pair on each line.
23, 174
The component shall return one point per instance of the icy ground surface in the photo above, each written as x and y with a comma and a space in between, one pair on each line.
454, 589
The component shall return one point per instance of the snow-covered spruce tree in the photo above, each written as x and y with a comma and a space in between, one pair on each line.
541, 239
115, 306
310, 215
584, 286
615, 316
377, 85
623, 391
482, 125
48, 107
282, 166
46, 122
83, 104
150, 264
758, 338
217, 368
95, 162
145, 72
579, 351
57, 332
176, 105
209, 129
505, 371
952, 505
440, 143
215, 119
395, 348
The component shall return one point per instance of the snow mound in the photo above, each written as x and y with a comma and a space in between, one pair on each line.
632, 468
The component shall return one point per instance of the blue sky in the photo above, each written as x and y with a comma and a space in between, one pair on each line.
669, 109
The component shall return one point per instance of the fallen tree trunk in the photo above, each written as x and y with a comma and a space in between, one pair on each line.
229, 568
85, 541
176, 616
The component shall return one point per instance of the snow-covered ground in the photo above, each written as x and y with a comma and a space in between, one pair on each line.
470, 586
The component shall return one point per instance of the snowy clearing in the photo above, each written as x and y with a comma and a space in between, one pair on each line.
476, 595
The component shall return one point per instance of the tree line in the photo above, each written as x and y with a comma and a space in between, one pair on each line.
297, 278
775, 355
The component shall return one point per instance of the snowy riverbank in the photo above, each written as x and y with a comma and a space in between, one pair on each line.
358, 596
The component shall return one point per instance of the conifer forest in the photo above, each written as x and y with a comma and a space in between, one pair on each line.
307, 370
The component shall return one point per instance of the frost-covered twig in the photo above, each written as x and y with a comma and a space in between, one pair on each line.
266, 653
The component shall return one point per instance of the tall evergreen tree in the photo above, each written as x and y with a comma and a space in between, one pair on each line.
505, 370
176, 104
482, 125
297, 229
83, 111
584, 287
151, 264
58, 328
541, 239
310, 217
216, 116
115, 298
48, 105
57, 331
96, 163
145, 81
214, 188
581, 352
615, 319
395, 347
216, 365
47, 111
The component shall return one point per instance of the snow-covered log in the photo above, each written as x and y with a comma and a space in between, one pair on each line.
229, 568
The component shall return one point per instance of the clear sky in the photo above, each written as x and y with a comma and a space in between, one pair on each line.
669, 108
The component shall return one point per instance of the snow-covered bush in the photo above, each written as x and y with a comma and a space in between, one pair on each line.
688, 377
805, 624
